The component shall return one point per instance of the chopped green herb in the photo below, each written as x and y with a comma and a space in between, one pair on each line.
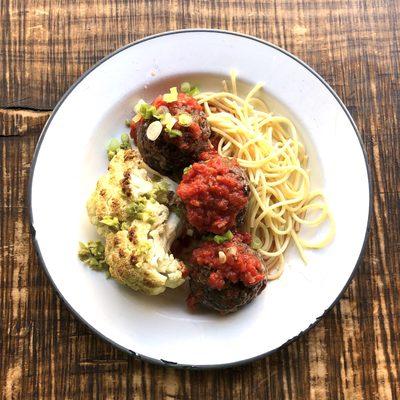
171, 96
111, 222
219, 239
138, 105
168, 121
115, 145
194, 91
185, 119
188, 89
128, 123
124, 226
185, 87
147, 111
174, 132
125, 141
92, 254
112, 148
136, 208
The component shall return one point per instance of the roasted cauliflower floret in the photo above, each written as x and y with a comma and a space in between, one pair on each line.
138, 256
128, 209
121, 192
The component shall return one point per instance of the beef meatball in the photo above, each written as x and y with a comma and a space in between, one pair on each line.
215, 194
225, 277
179, 145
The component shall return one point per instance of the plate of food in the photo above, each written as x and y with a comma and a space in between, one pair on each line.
200, 198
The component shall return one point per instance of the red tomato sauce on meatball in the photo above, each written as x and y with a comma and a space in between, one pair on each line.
214, 192
231, 261
189, 105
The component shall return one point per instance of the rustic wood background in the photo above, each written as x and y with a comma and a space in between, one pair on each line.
45, 353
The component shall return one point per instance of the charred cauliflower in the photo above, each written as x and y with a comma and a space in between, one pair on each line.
122, 192
137, 256
128, 208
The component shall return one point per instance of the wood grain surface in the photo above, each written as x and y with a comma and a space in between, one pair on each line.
46, 353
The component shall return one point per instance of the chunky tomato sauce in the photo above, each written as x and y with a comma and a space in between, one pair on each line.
214, 192
184, 101
232, 261
184, 104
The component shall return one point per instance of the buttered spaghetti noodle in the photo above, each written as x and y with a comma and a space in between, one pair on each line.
268, 148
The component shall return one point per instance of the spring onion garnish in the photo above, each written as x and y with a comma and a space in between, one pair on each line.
92, 254
185, 119
219, 239
185, 87
168, 121
171, 96
223, 238
188, 89
174, 133
111, 222
125, 141
115, 145
147, 111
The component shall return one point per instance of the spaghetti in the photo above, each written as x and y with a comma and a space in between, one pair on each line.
268, 148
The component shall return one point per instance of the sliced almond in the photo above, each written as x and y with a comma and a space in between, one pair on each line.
154, 130
222, 257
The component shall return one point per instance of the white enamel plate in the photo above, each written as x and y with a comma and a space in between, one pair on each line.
71, 156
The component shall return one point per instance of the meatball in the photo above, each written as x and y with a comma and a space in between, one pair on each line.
215, 194
225, 277
177, 147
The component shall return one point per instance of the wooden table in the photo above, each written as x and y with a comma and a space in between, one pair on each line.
45, 352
